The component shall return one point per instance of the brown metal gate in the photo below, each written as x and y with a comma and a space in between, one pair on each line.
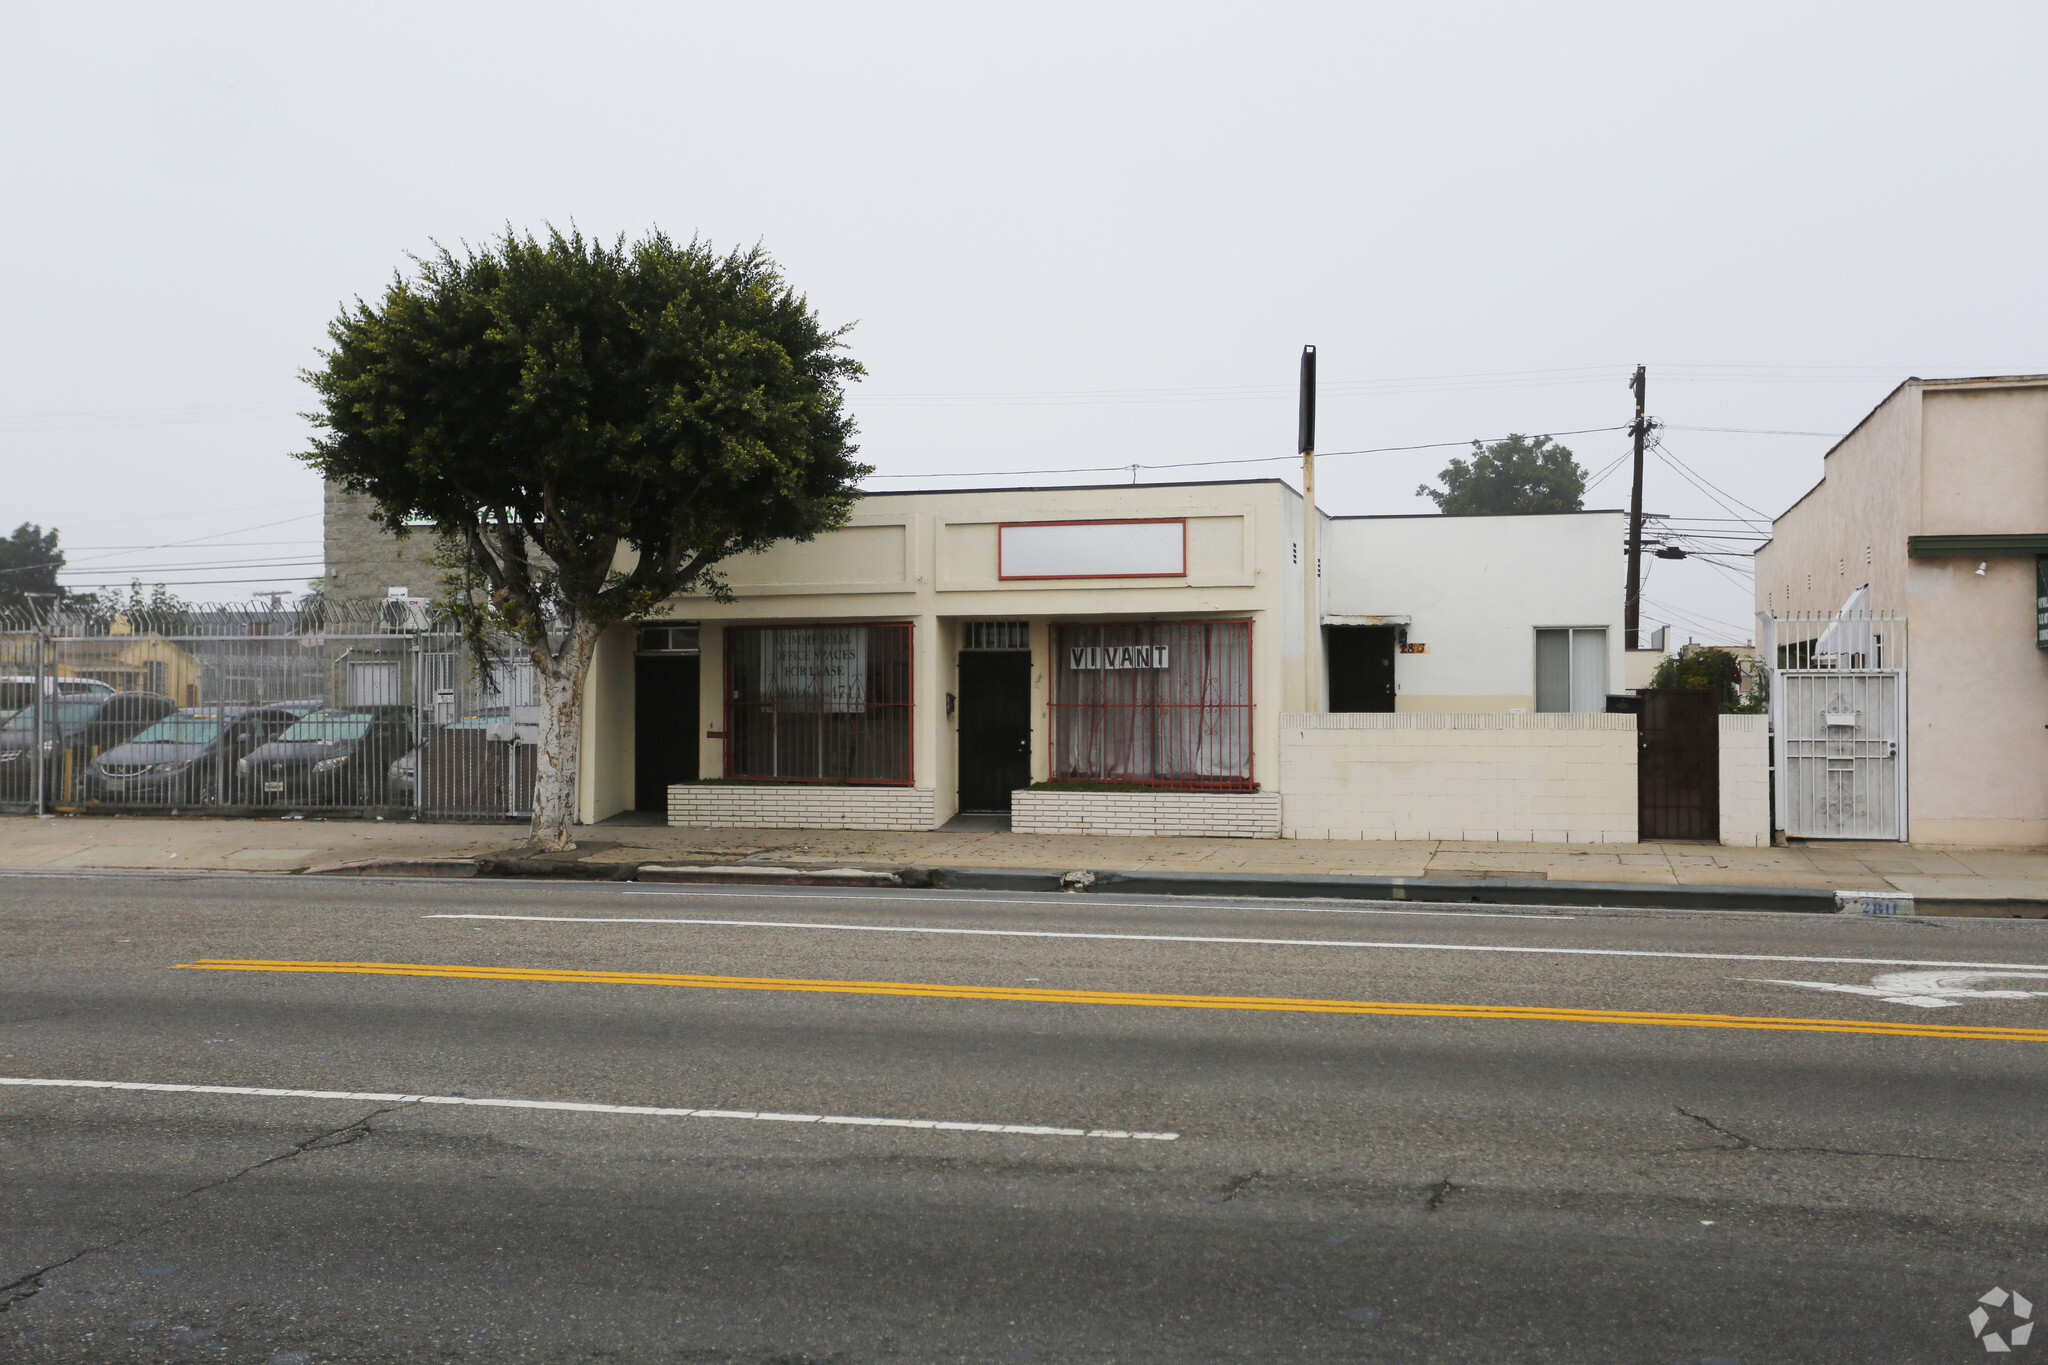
1678, 764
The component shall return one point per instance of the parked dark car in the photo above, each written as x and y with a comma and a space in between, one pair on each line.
336, 756
482, 764
188, 758
75, 730
19, 689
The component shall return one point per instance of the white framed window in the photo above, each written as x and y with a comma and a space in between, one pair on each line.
372, 682
1571, 669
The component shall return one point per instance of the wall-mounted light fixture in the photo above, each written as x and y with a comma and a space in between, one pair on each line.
1980, 568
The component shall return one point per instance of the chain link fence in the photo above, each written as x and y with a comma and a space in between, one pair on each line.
369, 708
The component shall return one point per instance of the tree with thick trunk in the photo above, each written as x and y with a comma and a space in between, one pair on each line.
588, 429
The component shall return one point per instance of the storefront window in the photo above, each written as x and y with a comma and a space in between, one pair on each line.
818, 703
1154, 704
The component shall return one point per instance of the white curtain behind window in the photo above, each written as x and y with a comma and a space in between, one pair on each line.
1589, 670
1571, 670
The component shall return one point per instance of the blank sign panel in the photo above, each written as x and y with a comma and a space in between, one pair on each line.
1092, 549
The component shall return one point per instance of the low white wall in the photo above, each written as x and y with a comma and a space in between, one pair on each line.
1746, 781
1222, 815
1475, 776
797, 806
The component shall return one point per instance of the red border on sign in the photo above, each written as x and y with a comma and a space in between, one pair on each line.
1181, 572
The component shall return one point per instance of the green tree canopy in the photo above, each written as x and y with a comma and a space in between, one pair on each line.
159, 607
1712, 670
1519, 474
29, 560
590, 428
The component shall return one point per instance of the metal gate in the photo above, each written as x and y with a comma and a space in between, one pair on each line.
1841, 770
1838, 719
1678, 764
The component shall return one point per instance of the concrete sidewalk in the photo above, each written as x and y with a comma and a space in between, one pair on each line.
178, 844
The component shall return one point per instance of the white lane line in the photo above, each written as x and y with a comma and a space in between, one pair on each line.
573, 1107
1045, 898
1258, 942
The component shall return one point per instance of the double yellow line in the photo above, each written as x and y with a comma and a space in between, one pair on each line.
1022, 995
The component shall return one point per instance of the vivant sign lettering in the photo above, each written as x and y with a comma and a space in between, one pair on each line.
1116, 656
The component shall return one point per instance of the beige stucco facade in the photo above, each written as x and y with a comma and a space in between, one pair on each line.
1470, 594
930, 559
1942, 458
1478, 588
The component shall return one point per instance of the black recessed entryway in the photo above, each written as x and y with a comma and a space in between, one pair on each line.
995, 727
664, 726
1361, 660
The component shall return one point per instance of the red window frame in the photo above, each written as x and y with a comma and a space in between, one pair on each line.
885, 729
1112, 732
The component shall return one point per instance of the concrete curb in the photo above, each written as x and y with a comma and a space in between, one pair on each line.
1437, 890
1988, 907
1245, 885
399, 867
755, 874
560, 870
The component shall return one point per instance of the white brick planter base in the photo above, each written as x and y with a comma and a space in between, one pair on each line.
796, 806
1219, 815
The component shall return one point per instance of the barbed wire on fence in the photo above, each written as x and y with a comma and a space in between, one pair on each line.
364, 616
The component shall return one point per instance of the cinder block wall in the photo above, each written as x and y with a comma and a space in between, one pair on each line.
1416, 775
797, 806
366, 561
1217, 815
1746, 781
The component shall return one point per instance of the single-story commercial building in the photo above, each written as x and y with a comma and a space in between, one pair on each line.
946, 649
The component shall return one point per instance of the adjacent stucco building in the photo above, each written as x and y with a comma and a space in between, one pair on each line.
1938, 500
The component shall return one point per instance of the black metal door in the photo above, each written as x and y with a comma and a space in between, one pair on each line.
664, 727
1361, 667
1678, 765
995, 728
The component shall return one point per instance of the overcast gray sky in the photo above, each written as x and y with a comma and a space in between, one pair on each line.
1072, 236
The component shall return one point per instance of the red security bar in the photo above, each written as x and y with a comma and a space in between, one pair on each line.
1158, 704
821, 703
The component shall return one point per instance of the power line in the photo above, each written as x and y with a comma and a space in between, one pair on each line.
181, 582
230, 545
1669, 455
1203, 464
239, 530
1697, 483
1593, 481
1761, 431
190, 568
1706, 623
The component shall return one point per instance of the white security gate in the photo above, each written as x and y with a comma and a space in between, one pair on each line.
1841, 766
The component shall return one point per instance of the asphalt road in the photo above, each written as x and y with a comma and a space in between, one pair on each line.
1545, 1137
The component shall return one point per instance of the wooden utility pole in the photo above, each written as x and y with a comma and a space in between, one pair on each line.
1632, 604
1311, 604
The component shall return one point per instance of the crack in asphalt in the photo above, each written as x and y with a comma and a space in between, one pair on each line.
1440, 1193
1744, 1144
1232, 1187
29, 1285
